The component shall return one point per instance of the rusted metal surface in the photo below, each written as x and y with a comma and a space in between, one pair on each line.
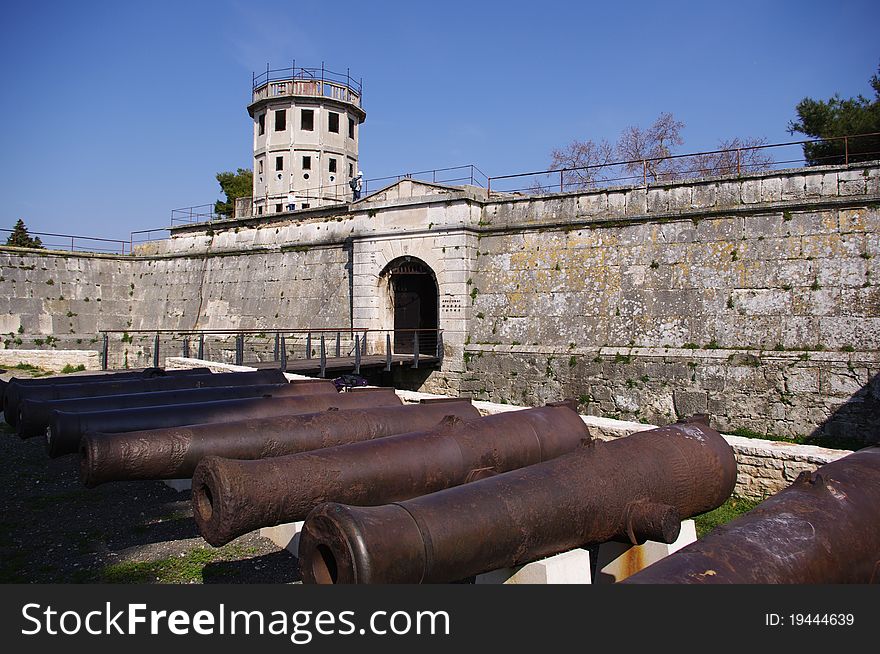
589, 496
13, 389
173, 453
823, 529
232, 497
124, 386
65, 429
33, 415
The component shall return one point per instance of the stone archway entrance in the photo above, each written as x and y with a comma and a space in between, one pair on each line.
414, 304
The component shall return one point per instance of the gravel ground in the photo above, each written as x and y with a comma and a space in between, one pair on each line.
54, 530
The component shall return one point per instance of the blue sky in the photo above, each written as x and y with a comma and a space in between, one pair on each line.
114, 113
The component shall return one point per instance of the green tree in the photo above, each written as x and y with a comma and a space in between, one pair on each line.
21, 239
837, 117
235, 185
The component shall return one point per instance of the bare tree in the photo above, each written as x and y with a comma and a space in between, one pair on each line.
650, 154
647, 150
735, 156
583, 163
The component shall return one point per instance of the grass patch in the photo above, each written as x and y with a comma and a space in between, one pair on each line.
67, 369
731, 509
35, 371
26, 366
171, 570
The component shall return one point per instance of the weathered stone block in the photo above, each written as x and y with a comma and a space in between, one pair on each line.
766, 226
636, 202
851, 182
593, 204
794, 187
616, 203
657, 200
771, 189
687, 403
704, 195
680, 198
750, 191
829, 185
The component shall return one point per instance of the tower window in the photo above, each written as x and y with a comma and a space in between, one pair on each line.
350, 127
261, 120
307, 118
279, 163
307, 163
351, 170
280, 120
332, 164
277, 208
333, 124
260, 166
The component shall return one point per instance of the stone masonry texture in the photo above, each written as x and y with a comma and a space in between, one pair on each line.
754, 299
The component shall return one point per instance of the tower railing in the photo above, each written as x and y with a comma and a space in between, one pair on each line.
316, 82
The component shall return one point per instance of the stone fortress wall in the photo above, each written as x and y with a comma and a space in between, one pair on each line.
754, 299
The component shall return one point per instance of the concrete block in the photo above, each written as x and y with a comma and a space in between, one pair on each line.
285, 536
571, 567
53, 360
617, 561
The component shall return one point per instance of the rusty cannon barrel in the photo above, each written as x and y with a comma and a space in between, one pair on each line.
66, 429
13, 391
633, 488
173, 453
232, 497
823, 529
124, 386
33, 415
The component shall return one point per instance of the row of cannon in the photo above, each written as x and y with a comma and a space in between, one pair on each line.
433, 492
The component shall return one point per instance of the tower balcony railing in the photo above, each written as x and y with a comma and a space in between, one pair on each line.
314, 82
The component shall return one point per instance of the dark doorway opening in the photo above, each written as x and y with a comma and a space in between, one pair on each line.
414, 298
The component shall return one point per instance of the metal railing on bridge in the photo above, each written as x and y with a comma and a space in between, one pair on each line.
321, 345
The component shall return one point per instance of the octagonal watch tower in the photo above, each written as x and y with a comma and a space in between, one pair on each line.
306, 124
